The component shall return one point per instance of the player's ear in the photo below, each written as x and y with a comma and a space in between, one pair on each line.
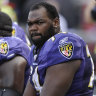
56, 22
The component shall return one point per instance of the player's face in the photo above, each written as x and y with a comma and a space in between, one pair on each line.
40, 26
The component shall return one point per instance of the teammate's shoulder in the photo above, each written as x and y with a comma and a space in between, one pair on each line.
16, 39
8, 39
16, 25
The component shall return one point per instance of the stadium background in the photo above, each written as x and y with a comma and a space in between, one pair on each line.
76, 13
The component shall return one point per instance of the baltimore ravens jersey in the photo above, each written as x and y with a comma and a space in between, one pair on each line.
63, 47
12, 46
18, 32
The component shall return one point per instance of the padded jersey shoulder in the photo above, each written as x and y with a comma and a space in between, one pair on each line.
60, 39
11, 46
61, 48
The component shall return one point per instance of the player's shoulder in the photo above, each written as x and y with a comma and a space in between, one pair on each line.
61, 39
15, 26
8, 39
14, 41
20, 42
64, 37
69, 35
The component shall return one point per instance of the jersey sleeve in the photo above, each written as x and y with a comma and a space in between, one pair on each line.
10, 47
62, 50
19, 32
22, 49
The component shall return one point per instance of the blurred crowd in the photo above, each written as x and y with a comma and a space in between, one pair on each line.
75, 16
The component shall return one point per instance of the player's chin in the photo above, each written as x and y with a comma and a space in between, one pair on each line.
37, 42
36, 38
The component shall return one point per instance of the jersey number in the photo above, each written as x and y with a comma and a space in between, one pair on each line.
92, 75
35, 80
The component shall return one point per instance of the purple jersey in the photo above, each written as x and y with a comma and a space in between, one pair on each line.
60, 48
12, 46
18, 32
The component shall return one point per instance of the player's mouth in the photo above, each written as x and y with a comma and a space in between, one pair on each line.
36, 35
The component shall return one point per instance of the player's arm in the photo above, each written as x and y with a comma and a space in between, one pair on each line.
19, 67
13, 71
59, 78
29, 90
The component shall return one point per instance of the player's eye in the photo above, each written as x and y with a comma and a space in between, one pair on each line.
40, 22
29, 23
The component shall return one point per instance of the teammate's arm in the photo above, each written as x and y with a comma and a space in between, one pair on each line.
29, 90
59, 78
13, 71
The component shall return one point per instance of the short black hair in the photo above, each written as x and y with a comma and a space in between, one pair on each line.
51, 10
5, 25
